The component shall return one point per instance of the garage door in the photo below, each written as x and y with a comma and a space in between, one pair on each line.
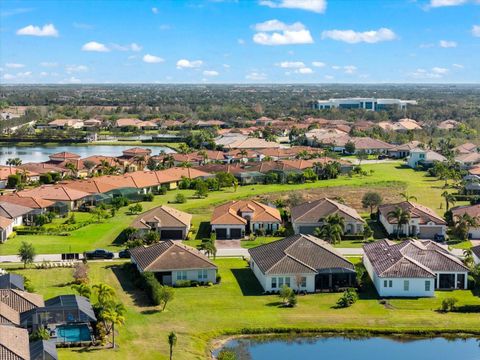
428, 232
235, 233
307, 229
221, 233
171, 234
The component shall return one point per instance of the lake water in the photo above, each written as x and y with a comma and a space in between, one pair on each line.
41, 153
339, 348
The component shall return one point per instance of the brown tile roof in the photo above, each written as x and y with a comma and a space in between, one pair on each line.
62, 156
474, 170
91, 186
8, 316
12, 211
424, 214
21, 301
251, 143
5, 222
466, 148
54, 193
97, 160
216, 168
143, 179
316, 211
229, 213
472, 210
170, 255
42, 168
127, 122
6, 171
31, 202
470, 158
136, 151
298, 254
407, 146
163, 216
411, 259
14, 343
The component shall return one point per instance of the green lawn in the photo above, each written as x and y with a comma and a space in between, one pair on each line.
199, 314
103, 235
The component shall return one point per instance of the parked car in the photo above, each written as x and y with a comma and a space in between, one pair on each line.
124, 254
99, 254
440, 238
382, 157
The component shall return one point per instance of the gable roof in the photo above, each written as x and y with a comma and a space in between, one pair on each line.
465, 148
229, 213
472, 210
476, 250
11, 281
21, 301
423, 213
407, 146
316, 211
54, 192
5, 222
169, 255
411, 259
43, 350
28, 201
164, 216
62, 156
12, 211
14, 343
299, 254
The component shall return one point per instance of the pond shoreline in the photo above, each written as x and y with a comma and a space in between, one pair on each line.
218, 343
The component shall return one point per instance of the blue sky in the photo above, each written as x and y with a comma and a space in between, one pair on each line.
243, 41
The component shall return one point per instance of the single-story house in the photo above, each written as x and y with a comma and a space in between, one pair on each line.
403, 150
66, 123
14, 343
170, 223
235, 219
474, 212
466, 148
424, 223
72, 198
469, 160
43, 350
20, 301
423, 158
172, 261
412, 268
6, 228
308, 216
18, 213
476, 254
302, 262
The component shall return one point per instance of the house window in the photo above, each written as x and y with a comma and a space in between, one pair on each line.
280, 282
303, 282
287, 281
427, 285
406, 285
385, 283
181, 275
390, 283
274, 282
202, 275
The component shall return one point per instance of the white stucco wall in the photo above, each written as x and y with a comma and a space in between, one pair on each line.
193, 275
391, 229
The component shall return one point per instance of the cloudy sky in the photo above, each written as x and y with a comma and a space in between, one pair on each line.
240, 41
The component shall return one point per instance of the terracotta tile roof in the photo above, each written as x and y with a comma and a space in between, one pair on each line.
143, 179
54, 193
97, 159
448, 124
137, 152
163, 216
42, 168
91, 186
466, 148
169, 255
215, 168
474, 171
62, 156
124, 122
229, 213
14, 343
298, 254
411, 259
316, 211
407, 146
469, 158
5, 222
424, 214
6, 171
472, 210
31, 202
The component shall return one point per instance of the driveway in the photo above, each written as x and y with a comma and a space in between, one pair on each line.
228, 244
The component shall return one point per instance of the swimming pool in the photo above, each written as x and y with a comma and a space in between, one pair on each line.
73, 333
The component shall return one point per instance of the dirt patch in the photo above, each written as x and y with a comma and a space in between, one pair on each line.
351, 196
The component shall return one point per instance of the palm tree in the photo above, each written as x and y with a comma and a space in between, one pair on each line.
168, 161
332, 228
468, 257
401, 216
105, 293
115, 316
82, 290
13, 162
140, 161
463, 223
408, 197
449, 199
186, 164
71, 166
172, 341
204, 156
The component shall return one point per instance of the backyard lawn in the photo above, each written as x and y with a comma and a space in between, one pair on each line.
200, 314
390, 178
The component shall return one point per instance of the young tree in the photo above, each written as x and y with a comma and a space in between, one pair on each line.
361, 155
152, 237
80, 273
285, 293
350, 147
180, 198
99, 213
449, 199
113, 315
166, 295
135, 209
172, 341
201, 189
82, 290
26, 252
371, 199
402, 217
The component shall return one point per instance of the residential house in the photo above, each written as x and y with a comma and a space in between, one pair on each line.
69, 197
19, 300
44, 168
36, 204
412, 268
66, 123
18, 213
14, 343
92, 124
6, 228
311, 215
235, 219
424, 223
466, 148
448, 125
402, 125
476, 254
303, 263
170, 223
236, 141
12, 281
364, 144
423, 158
172, 261
468, 160
6, 171
403, 150
43, 350
474, 212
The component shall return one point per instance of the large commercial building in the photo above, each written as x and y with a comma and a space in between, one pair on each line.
371, 104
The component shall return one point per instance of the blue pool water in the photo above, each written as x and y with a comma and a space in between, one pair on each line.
339, 348
73, 333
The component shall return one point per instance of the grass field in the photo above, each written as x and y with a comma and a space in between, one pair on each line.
200, 314
386, 177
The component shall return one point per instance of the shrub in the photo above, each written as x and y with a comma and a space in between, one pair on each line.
180, 199
448, 304
163, 190
292, 300
218, 278
226, 354
150, 284
348, 298
148, 197
183, 283
13, 181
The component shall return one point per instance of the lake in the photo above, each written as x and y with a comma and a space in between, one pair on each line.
40, 153
340, 348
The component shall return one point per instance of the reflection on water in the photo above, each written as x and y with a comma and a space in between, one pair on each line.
41, 153
342, 348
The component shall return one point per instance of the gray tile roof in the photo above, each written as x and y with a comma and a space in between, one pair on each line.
43, 350
476, 250
316, 211
298, 254
423, 213
11, 281
12, 211
411, 259
163, 216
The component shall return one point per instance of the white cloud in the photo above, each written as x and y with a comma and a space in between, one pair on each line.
95, 47
241, 42
458, 66
336, 67
318, 6
304, 70
17, 76
353, 37
128, 47
329, 77
476, 30
75, 68
210, 73
48, 64
45, 30
439, 70
447, 44
291, 64
152, 59
433, 73
184, 63
426, 45
256, 76
155, 10
14, 65
275, 32
443, 3
350, 69
226, 66
73, 80
318, 64
8, 77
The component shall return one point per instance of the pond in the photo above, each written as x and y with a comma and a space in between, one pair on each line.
341, 348
40, 153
